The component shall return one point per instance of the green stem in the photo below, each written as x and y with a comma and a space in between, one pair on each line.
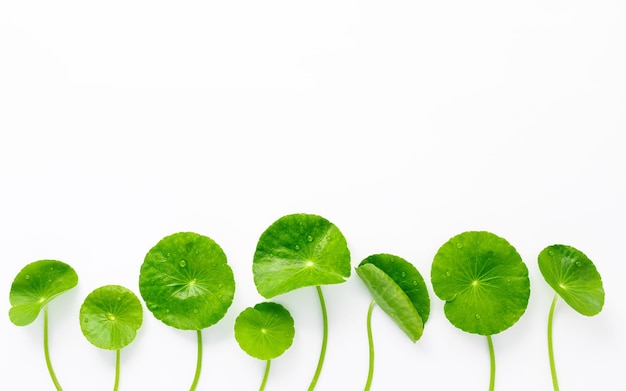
320, 362
492, 356
555, 382
265, 376
45, 350
370, 339
198, 363
117, 370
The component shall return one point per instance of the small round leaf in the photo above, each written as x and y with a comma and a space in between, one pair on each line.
399, 289
299, 250
110, 317
264, 331
574, 277
35, 285
186, 282
483, 280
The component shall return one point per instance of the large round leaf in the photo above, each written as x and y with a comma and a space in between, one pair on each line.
264, 331
399, 289
299, 250
110, 317
483, 280
574, 277
186, 282
35, 285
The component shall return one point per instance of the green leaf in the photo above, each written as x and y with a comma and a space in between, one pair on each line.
299, 250
574, 277
483, 280
399, 289
110, 317
35, 285
264, 331
186, 282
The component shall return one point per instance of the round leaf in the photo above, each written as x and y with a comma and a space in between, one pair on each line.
483, 280
186, 282
35, 285
399, 289
299, 250
265, 331
574, 277
110, 317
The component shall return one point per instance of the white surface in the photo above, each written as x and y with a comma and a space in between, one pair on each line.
404, 123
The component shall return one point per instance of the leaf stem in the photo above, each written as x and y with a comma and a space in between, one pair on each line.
198, 363
117, 370
320, 362
265, 376
370, 339
492, 356
555, 382
46, 352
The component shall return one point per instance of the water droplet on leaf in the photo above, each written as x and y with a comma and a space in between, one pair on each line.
477, 316
309, 238
195, 310
183, 263
27, 277
578, 263
459, 245
297, 247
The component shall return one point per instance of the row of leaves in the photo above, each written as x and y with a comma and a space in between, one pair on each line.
186, 283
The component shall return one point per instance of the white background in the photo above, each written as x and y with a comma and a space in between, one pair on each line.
402, 122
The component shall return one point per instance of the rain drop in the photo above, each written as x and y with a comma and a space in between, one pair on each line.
309, 238
477, 316
27, 276
578, 263
183, 263
551, 253
328, 238
447, 274
297, 247
195, 310
119, 298
403, 274
414, 282
459, 245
